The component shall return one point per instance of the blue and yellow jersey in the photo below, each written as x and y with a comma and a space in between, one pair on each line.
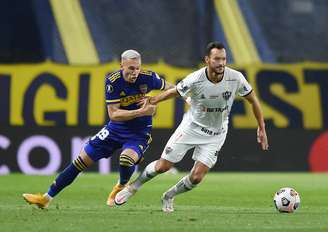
119, 91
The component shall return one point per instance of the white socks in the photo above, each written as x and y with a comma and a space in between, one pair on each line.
47, 196
182, 186
148, 174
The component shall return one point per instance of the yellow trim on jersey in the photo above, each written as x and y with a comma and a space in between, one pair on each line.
74, 32
163, 84
115, 100
236, 31
150, 139
146, 72
115, 74
113, 77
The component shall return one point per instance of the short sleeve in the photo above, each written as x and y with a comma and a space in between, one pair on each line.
244, 88
184, 86
158, 82
112, 92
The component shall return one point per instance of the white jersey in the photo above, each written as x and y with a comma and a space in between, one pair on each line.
211, 102
205, 125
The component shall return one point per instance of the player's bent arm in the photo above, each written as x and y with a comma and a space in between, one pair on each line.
117, 114
168, 85
167, 94
261, 132
252, 99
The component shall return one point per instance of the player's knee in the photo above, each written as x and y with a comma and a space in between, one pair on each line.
80, 164
162, 166
196, 177
126, 160
162, 169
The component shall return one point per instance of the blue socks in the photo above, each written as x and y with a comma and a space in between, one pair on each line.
64, 179
126, 173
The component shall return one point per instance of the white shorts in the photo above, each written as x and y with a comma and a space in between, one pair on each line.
187, 136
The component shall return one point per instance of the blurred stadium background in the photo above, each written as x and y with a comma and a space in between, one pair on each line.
54, 55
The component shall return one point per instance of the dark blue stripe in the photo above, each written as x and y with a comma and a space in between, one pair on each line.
51, 41
218, 34
84, 99
5, 84
260, 42
59, 117
96, 24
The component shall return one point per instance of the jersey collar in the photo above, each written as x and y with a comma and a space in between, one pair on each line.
206, 72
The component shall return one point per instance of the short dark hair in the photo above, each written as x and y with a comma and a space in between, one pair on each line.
212, 45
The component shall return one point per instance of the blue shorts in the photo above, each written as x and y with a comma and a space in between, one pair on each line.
104, 144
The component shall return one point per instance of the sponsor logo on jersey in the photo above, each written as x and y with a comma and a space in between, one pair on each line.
128, 100
214, 97
206, 131
213, 110
210, 132
226, 95
143, 88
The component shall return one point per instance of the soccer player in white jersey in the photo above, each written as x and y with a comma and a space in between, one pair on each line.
211, 91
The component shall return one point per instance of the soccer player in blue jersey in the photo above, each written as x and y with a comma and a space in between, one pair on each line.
129, 128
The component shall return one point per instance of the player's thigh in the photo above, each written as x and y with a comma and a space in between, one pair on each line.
86, 158
135, 148
179, 143
208, 153
102, 145
174, 152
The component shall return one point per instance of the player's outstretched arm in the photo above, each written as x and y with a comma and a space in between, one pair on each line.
168, 85
117, 114
261, 132
167, 94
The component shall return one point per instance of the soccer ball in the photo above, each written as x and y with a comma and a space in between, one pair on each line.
287, 200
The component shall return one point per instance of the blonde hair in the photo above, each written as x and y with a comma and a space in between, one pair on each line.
130, 54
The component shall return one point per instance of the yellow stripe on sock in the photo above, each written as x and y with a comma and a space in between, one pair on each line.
79, 160
125, 163
236, 31
127, 159
74, 32
77, 165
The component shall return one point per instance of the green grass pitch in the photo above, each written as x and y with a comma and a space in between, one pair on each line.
223, 202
